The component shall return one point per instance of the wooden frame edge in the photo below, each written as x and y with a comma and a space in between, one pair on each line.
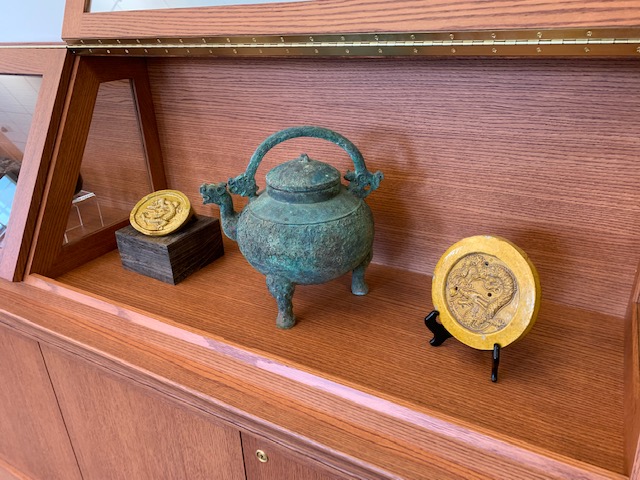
338, 17
632, 397
11, 473
49, 256
145, 112
632, 382
53, 64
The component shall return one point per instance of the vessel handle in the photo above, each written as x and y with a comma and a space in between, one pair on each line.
361, 181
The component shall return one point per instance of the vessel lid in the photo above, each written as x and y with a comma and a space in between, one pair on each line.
305, 179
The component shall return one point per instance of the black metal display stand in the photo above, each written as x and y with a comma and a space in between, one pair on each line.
440, 334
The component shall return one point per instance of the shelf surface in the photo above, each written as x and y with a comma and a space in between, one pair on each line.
560, 388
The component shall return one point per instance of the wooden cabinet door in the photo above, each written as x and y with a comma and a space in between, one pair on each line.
281, 463
122, 430
33, 438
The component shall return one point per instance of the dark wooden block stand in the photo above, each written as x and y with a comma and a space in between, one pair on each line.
173, 257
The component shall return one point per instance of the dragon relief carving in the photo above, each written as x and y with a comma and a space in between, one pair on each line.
159, 213
478, 287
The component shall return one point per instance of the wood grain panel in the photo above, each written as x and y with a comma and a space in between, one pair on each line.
114, 164
29, 61
346, 16
368, 434
552, 382
282, 463
122, 431
541, 152
146, 117
33, 438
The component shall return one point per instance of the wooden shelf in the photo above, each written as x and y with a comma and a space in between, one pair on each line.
561, 388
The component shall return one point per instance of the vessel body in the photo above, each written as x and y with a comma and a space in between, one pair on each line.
306, 243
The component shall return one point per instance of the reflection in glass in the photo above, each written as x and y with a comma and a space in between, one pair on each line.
114, 173
8, 184
18, 97
120, 5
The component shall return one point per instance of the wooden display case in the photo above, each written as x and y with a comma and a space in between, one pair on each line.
542, 151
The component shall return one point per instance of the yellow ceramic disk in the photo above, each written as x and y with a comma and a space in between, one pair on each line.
487, 291
161, 213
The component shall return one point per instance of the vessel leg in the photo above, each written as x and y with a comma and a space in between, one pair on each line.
282, 290
358, 284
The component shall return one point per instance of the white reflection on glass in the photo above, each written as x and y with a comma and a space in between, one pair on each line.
120, 5
18, 97
7, 192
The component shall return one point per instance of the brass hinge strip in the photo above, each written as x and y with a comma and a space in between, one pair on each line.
485, 43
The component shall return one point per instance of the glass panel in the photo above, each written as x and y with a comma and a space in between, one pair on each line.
18, 97
114, 174
120, 5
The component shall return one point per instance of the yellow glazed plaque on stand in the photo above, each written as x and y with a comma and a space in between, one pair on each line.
161, 213
486, 291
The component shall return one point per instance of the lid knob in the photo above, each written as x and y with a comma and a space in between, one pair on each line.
303, 180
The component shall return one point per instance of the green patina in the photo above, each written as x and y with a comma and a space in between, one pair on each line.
306, 227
